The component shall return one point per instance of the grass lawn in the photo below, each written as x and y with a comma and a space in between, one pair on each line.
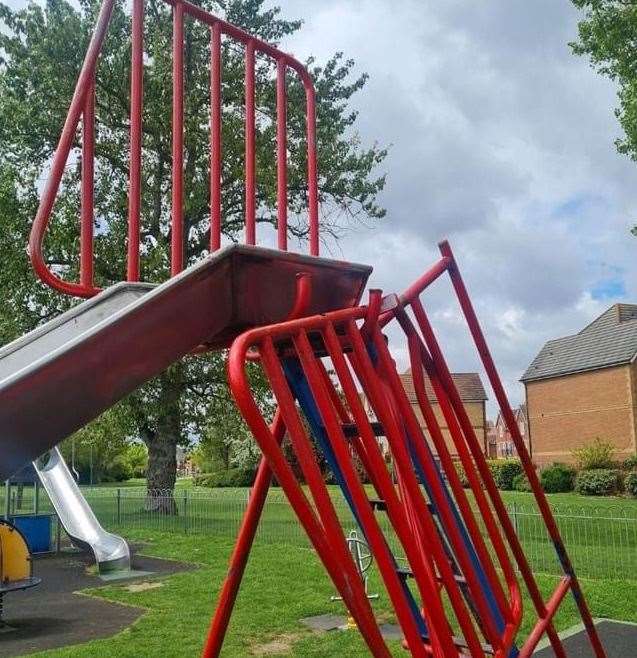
283, 584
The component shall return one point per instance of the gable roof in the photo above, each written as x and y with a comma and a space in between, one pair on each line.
469, 387
610, 340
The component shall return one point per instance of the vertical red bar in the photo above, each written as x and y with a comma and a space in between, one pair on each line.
250, 158
215, 137
135, 166
281, 155
177, 224
312, 174
86, 212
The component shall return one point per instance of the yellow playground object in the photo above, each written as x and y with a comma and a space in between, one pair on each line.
16, 567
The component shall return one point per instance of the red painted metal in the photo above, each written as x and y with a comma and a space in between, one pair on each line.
135, 173
80, 110
281, 154
350, 342
86, 212
177, 220
215, 137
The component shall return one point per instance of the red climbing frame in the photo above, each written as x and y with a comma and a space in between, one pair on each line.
356, 351
83, 108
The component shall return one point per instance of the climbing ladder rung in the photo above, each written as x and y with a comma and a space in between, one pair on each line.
461, 643
351, 430
408, 573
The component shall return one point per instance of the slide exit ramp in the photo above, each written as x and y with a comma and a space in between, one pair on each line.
81, 525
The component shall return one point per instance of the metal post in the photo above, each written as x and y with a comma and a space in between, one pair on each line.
58, 534
36, 498
514, 518
7, 499
186, 511
119, 506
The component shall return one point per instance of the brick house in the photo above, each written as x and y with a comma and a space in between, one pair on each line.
473, 397
585, 386
505, 448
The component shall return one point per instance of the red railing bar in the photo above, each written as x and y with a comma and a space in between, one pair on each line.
551, 608
239, 559
86, 203
250, 157
177, 223
281, 155
52, 185
312, 170
215, 137
135, 173
523, 454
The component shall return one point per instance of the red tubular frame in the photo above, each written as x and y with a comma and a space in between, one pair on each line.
338, 336
82, 107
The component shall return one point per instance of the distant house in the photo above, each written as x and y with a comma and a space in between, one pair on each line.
585, 386
505, 447
473, 397
492, 442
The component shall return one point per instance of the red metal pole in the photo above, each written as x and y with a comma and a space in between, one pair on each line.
503, 402
86, 211
177, 224
281, 155
215, 137
239, 559
312, 171
135, 173
250, 156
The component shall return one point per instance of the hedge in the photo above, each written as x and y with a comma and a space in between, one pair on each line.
233, 477
504, 471
598, 482
630, 483
558, 478
521, 483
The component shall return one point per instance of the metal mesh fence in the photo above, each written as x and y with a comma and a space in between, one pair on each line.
601, 539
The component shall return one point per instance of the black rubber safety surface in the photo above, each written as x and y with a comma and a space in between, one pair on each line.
53, 615
619, 640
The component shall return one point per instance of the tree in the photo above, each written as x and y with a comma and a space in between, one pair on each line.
41, 49
608, 36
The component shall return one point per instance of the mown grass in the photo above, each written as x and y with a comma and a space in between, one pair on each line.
283, 584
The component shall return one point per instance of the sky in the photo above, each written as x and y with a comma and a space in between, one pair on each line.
500, 140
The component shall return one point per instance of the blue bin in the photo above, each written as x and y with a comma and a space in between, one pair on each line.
36, 529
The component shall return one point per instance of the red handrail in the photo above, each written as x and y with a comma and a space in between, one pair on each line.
83, 107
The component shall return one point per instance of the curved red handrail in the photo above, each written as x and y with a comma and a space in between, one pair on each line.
82, 107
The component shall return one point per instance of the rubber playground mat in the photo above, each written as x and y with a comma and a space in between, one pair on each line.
54, 615
618, 638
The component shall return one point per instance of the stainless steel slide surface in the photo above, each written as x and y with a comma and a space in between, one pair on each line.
111, 552
65, 373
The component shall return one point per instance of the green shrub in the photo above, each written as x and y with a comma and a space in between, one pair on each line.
119, 470
630, 464
558, 478
504, 472
233, 477
521, 483
461, 474
598, 454
630, 484
598, 482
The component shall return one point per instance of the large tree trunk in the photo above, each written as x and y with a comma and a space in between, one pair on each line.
162, 444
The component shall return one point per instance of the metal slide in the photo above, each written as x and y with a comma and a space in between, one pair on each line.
111, 551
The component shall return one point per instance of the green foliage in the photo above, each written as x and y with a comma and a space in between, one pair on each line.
598, 454
630, 484
504, 472
461, 474
608, 37
234, 477
598, 482
630, 463
521, 483
558, 478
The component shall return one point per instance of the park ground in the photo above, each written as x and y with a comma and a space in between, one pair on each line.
285, 582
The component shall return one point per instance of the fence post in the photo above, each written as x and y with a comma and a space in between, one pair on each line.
185, 511
119, 506
514, 517
36, 498
7, 500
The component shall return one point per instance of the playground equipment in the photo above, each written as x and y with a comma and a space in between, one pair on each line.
363, 559
298, 315
16, 568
